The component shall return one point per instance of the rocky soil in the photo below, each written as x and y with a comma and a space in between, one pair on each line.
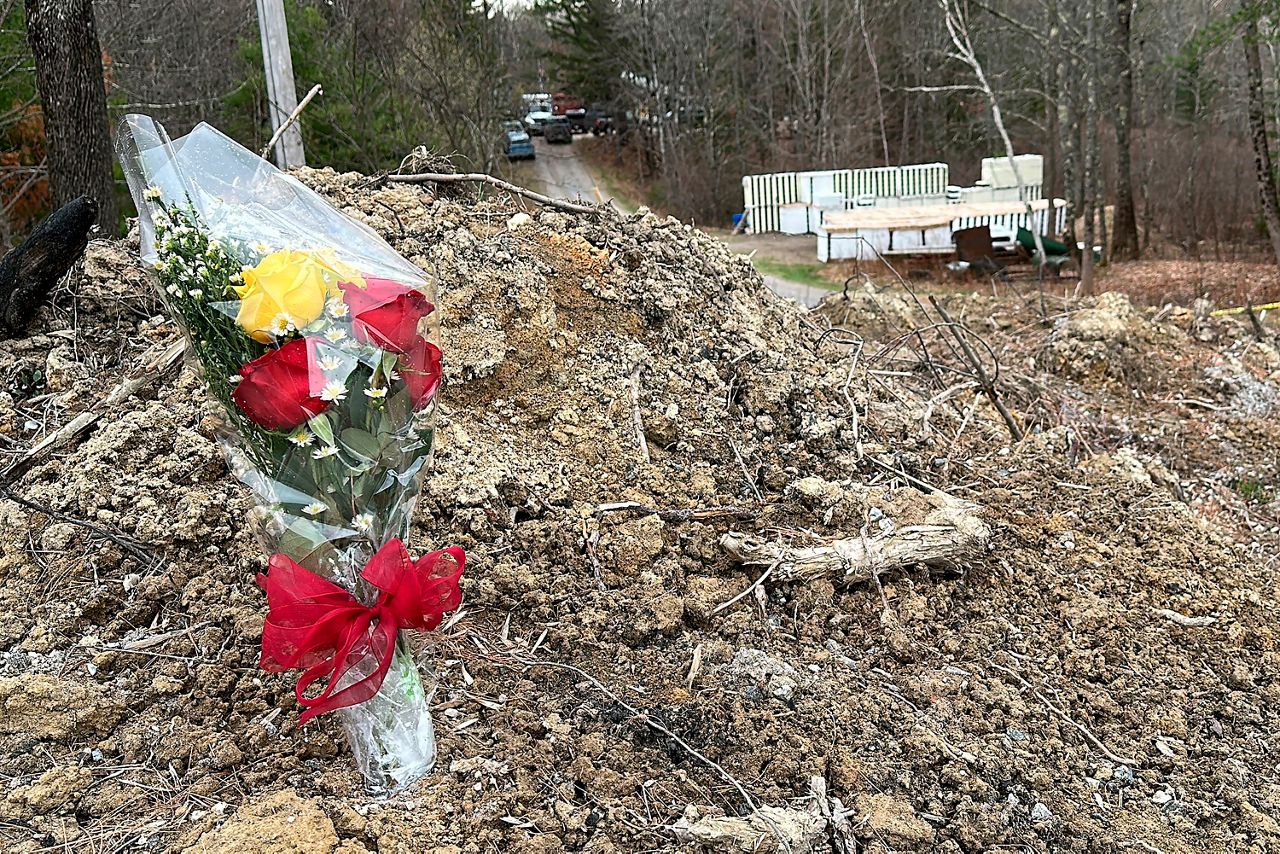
1096, 672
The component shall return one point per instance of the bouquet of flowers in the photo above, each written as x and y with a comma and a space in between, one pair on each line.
318, 341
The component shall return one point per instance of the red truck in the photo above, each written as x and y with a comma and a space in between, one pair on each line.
570, 107
562, 104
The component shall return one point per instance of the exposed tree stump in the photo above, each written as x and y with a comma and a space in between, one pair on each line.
32, 269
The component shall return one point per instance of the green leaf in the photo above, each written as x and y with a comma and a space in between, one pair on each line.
361, 443
321, 427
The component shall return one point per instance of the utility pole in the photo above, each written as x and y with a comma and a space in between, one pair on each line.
282, 97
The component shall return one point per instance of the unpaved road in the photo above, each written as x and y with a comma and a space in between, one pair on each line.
560, 173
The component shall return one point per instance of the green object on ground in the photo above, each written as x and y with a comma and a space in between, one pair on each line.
1027, 241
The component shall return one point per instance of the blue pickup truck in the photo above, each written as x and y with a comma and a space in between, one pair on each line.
515, 142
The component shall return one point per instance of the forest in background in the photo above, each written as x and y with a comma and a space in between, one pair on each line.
1156, 113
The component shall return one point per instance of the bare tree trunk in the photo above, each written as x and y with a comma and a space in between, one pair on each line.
875, 76
64, 41
1090, 148
1124, 235
1258, 134
1053, 98
1068, 115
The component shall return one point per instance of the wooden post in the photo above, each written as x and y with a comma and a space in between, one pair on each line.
282, 97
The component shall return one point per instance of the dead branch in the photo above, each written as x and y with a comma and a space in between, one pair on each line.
988, 385
156, 366
1183, 619
644, 717
481, 178
132, 546
637, 419
951, 531
293, 117
31, 270
1065, 718
696, 514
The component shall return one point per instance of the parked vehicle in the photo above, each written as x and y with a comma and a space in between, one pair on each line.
579, 121
516, 144
557, 130
538, 115
562, 104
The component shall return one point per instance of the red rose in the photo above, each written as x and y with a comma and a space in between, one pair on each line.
420, 369
385, 313
280, 389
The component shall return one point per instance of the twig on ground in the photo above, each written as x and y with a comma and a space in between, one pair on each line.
643, 716
154, 368
1067, 719
752, 586
853, 406
696, 514
591, 536
988, 386
694, 667
124, 541
637, 420
892, 469
287, 123
1144, 845
1183, 619
480, 177
746, 473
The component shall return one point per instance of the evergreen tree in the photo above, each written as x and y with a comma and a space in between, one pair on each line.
587, 46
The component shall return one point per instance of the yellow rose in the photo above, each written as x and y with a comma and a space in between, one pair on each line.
287, 288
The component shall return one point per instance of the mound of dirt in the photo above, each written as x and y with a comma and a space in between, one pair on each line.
1095, 670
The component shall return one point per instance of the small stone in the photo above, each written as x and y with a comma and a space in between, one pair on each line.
1041, 813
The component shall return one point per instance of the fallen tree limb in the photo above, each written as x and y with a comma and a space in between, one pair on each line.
950, 532
33, 268
985, 380
481, 178
160, 361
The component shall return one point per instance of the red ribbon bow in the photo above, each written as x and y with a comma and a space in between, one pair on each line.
316, 626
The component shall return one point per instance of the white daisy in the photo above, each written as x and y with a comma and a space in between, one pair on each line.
363, 522
159, 265
376, 393
281, 325
330, 363
333, 390
151, 194
326, 451
235, 278
301, 438
334, 334
337, 308
315, 508
195, 293
234, 378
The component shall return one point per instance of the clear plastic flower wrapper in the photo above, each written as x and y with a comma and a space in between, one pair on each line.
319, 342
